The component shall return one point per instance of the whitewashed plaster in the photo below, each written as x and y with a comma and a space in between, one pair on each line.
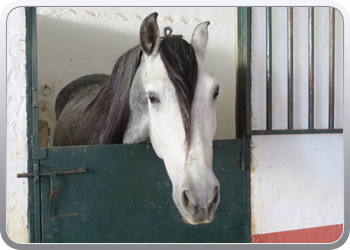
83, 40
297, 180
16, 189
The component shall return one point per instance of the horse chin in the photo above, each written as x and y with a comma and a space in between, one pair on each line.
193, 222
196, 218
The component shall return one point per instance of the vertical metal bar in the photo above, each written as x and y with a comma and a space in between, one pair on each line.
311, 67
30, 168
37, 197
268, 69
290, 67
246, 193
243, 104
37, 210
33, 164
331, 67
243, 71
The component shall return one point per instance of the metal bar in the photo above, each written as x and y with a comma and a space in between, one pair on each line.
34, 207
37, 203
53, 195
331, 66
30, 168
246, 193
268, 69
47, 173
311, 67
243, 71
295, 131
243, 104
290, 67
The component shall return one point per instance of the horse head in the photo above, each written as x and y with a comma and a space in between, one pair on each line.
181, 116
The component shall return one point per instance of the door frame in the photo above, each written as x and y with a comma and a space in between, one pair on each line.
243, 111
243, 103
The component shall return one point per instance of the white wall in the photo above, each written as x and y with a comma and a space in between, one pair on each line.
16, 189
77, 41
297, 180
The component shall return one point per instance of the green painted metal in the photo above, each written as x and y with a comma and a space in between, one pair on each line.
243, 71
311, 130
268, 68
34, 220
243, 104
295, 131
126, 196
48, 173
311, 61
331, 67
246, 192
290, 47
53, 194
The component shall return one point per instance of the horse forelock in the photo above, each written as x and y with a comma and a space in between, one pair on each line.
179, 59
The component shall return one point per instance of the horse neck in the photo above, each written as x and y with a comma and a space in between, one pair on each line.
137, 129
116, 109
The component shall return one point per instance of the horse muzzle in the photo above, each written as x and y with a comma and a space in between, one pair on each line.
196, 209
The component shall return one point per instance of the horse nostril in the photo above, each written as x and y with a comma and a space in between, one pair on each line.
216, 195
185, 200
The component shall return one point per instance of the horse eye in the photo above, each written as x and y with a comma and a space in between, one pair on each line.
152, 98
216, 93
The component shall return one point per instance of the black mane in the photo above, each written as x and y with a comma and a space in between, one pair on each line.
116, 105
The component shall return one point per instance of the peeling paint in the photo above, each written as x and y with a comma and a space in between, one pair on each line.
44, 133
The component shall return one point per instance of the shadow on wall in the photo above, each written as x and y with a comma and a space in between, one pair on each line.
68, 50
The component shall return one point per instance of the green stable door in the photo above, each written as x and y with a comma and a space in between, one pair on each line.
125, 195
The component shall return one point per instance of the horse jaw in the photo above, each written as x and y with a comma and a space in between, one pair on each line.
137, 130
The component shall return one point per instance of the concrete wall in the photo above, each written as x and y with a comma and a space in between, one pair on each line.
297, 180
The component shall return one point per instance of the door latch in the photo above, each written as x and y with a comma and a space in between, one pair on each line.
54, 183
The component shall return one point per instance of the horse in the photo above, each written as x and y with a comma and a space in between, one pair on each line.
158, 93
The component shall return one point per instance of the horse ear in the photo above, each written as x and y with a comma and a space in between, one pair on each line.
149, 33
200, 39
